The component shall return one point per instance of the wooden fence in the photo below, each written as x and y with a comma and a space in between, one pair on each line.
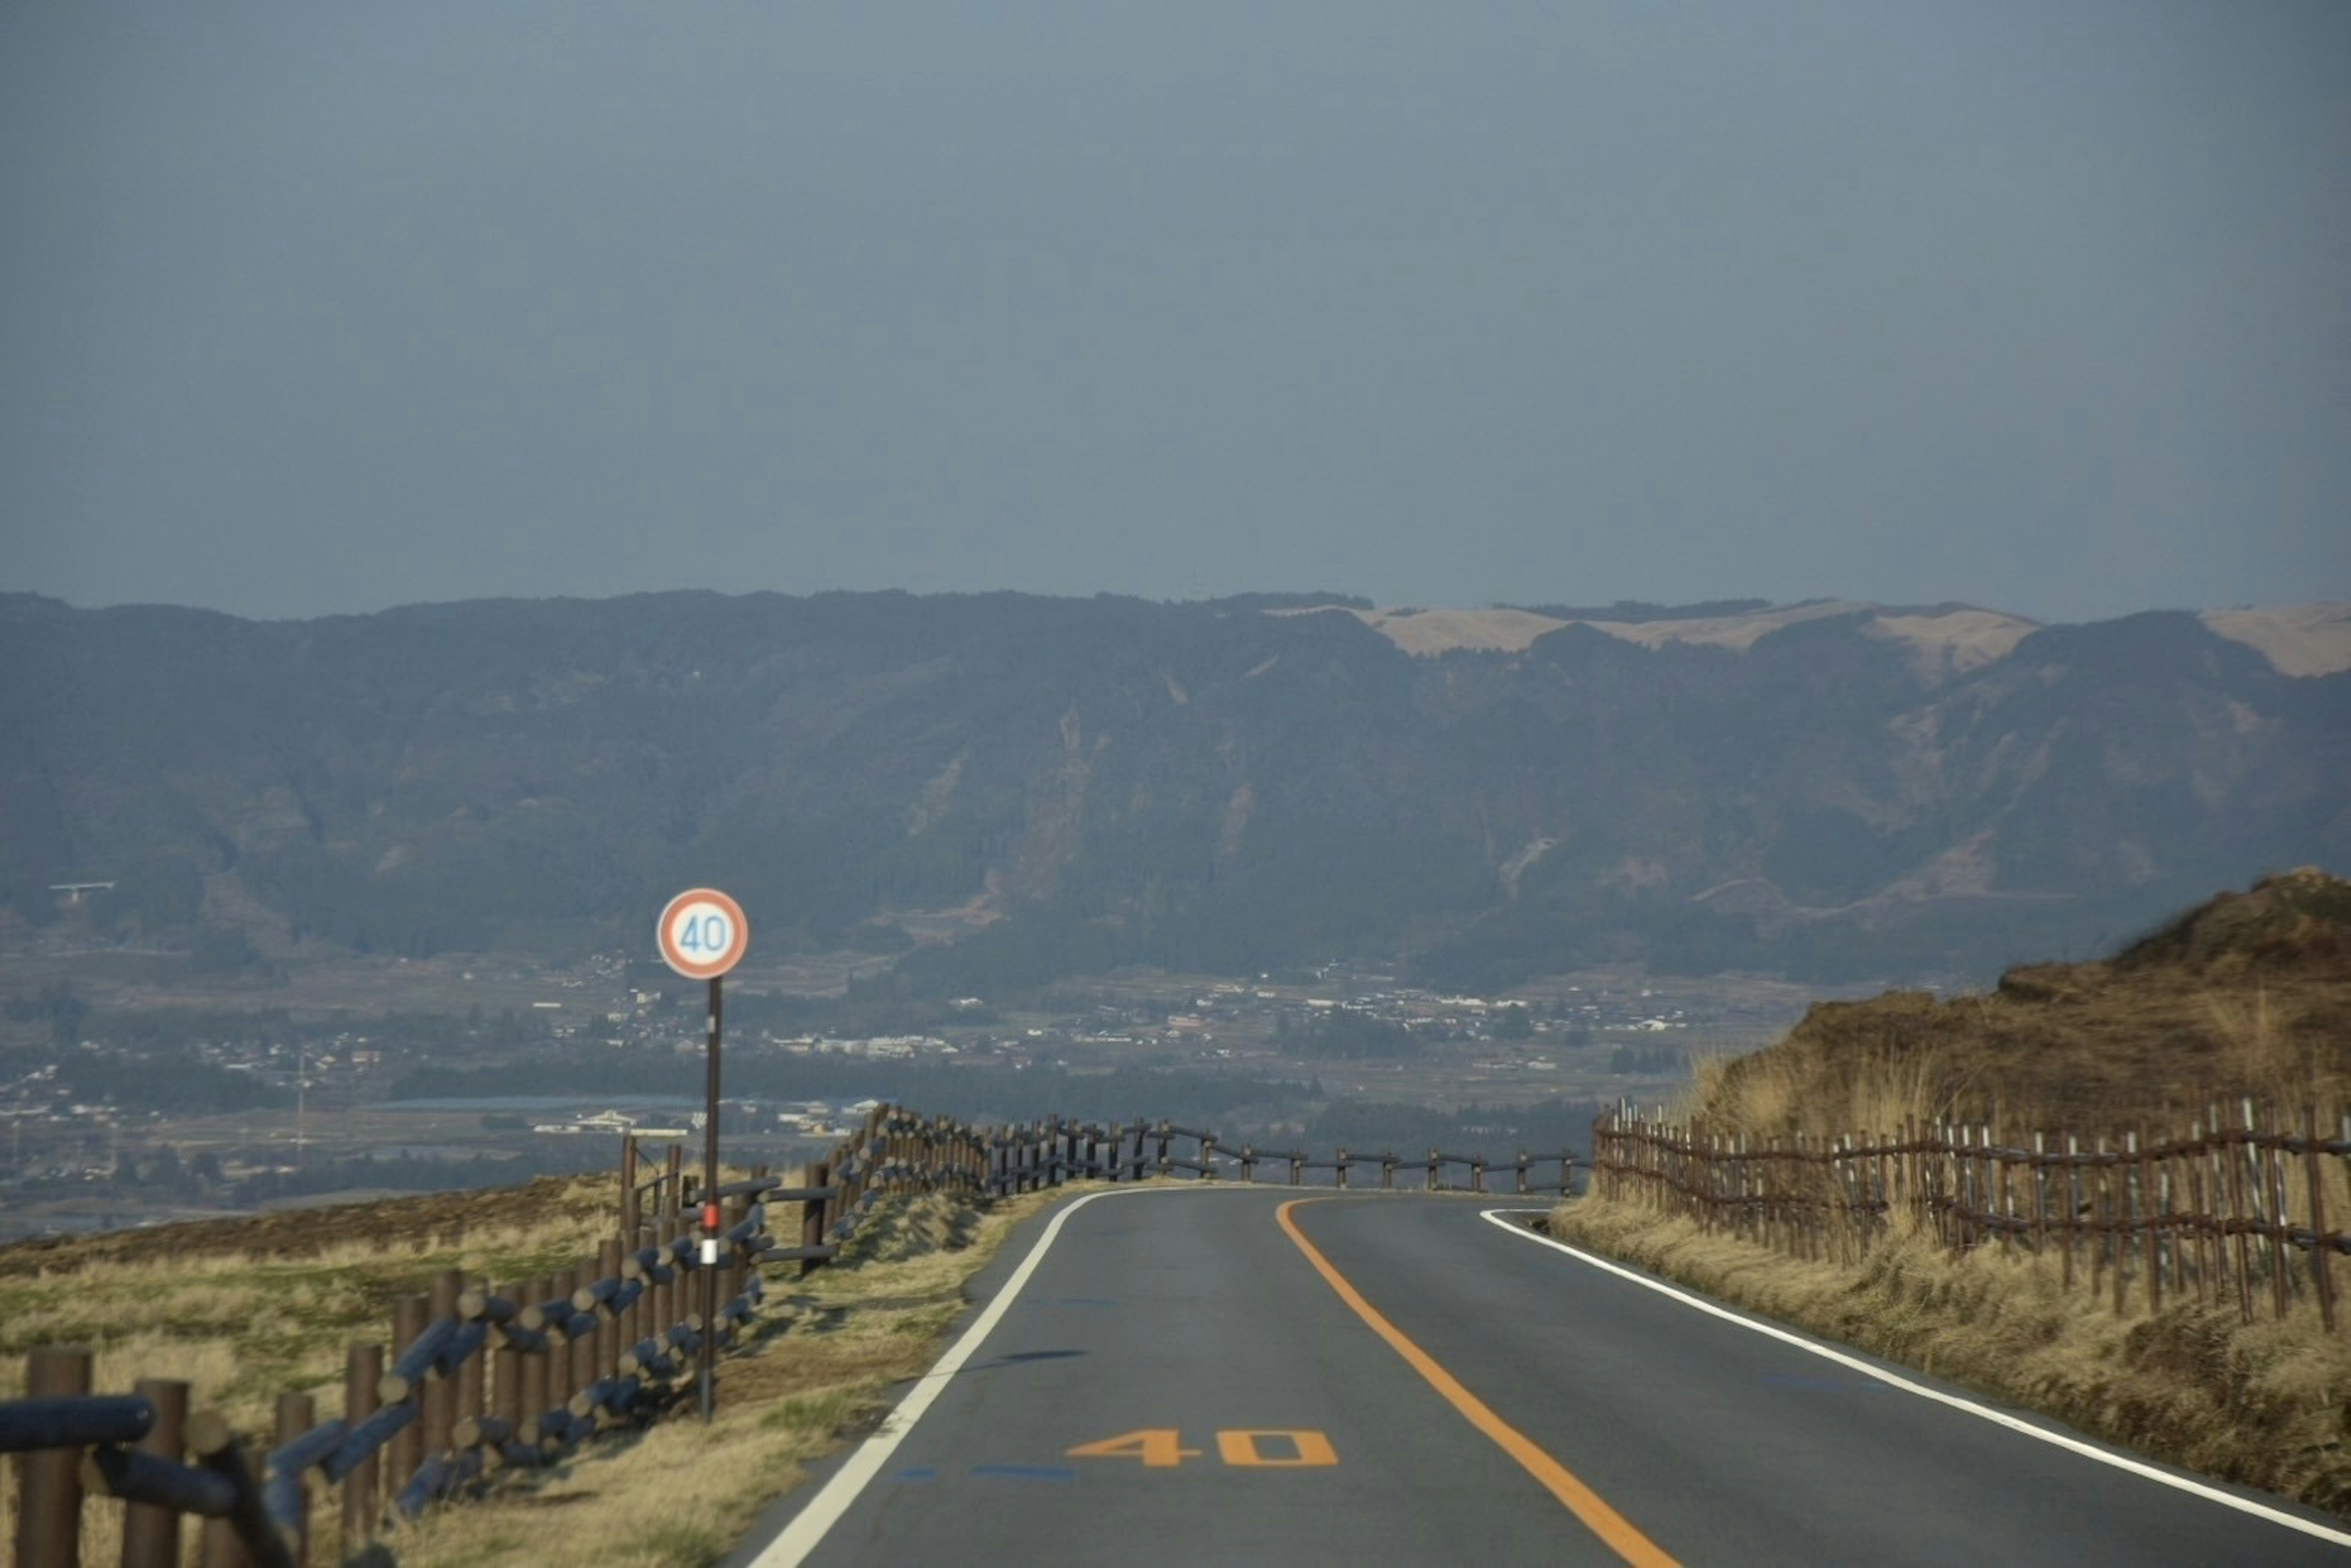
2240, 1205
479, 1378
1043, 1154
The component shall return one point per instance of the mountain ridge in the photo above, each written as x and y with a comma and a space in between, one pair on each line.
1225, 784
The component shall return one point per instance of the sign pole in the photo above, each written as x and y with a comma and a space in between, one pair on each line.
710, 1210
703, 934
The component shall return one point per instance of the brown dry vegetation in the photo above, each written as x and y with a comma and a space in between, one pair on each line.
2248, 995
248, 1308
2265, 1404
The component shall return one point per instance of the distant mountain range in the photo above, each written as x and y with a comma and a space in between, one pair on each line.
1027, 787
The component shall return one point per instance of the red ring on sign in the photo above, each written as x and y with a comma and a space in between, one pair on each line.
708, 968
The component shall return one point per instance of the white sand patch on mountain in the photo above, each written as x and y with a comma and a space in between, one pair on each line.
1736, 632
2297, 638
1955, 642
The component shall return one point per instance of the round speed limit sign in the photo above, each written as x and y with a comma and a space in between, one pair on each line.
703, 933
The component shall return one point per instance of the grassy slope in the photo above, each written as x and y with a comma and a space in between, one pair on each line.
245, 1309
2247, 995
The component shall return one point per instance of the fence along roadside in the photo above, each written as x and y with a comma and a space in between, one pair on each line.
2240, 1205
477, 1379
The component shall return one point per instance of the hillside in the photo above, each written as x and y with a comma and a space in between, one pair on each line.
1041, 785
2245, 994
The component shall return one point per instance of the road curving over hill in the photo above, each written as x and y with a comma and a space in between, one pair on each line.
1258, 1375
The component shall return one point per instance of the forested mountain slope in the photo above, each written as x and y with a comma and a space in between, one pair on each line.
1830, 790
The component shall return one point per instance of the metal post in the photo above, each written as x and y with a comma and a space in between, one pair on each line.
707, 1373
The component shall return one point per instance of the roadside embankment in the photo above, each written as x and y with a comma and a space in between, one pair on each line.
2264, 1403
2114, 1192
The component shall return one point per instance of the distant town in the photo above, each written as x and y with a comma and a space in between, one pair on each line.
131, 1091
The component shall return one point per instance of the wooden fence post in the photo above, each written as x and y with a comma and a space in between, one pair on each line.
2273, 1176
440, 1394
2322, 1243
150, 1534
629, 1184
811, 1216
409, 1316
362, 1370
580, 1354
535, 1393
2241, 1210
220, 1451
48, 1481
559, 1386
296, 1415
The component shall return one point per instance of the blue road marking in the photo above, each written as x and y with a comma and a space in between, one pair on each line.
919, 1473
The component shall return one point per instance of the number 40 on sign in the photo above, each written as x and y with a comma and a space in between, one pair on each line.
703, 933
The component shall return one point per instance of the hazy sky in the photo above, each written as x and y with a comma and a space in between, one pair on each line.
312, 306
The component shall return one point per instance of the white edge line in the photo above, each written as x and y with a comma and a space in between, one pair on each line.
1997, 1417
835, 1497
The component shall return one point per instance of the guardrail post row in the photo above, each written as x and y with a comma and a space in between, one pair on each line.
48, 1481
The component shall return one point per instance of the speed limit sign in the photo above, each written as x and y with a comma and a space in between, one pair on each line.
703, 933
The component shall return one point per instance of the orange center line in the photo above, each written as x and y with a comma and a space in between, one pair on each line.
1581, 1500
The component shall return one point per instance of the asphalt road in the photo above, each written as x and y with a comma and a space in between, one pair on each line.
1180, 1372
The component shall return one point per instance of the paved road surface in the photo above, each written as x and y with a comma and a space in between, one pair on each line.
1182, 1373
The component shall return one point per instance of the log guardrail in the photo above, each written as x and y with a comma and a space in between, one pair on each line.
479, 1379
2243, 1204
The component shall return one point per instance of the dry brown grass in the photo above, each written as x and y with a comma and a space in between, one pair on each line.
2248, 996
682, 1495
2262, 1404
243, 1326
2093, 1051
254, 1315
